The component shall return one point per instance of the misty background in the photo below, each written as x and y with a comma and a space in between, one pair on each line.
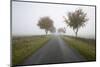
25, 17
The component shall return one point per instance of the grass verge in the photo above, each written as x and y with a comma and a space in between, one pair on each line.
23, 47
83, 47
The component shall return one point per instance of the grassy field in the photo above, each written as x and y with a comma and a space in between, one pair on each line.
23, 47
85, 47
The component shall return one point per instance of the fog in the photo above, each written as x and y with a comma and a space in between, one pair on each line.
25, 18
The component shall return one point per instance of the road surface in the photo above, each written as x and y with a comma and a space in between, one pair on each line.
55, 51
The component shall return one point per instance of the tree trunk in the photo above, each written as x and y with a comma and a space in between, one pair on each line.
46, 32
76, 32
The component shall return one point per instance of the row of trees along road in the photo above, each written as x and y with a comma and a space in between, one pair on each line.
74, 20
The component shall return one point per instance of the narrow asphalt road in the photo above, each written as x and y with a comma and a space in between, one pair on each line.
55, 51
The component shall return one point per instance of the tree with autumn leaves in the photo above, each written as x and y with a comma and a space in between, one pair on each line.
47, 24
76, 19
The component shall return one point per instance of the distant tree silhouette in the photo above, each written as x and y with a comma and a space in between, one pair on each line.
53, 29
76, 20
62, 30
45, 23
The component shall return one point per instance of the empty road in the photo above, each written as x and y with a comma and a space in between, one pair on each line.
55, 51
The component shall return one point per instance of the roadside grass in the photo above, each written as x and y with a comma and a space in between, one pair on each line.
83, 46
23, 47
86, 40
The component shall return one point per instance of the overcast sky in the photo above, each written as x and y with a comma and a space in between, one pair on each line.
25, 17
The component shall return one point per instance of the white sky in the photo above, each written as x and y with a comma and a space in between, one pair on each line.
25, 17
